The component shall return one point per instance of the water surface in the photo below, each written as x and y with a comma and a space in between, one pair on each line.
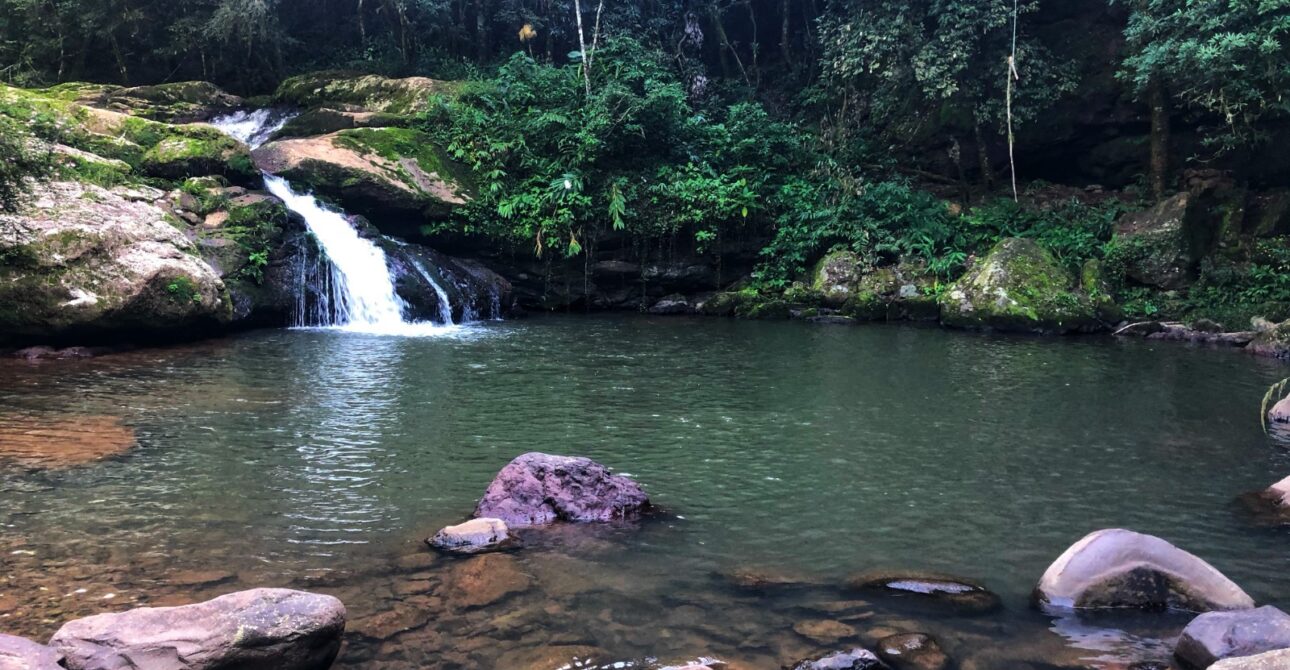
320, 459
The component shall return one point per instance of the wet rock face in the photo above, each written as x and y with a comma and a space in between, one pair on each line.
1018, 287
1272, 660
473, 537
938, 591
18, 653
855, 659
1120, 568
1215, 636
260, 629
536, 489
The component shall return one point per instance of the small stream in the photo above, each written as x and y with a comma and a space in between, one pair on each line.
320, 459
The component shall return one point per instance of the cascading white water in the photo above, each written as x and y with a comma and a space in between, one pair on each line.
358, 289
445, 305
364, 295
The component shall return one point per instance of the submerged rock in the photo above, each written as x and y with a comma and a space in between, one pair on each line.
913, 651
1120, 568
260, 629
485, 581
1272, 660
954, 593
536, 489
1018, 286
62, 441
824, 631
855, 659
1271, 505
18, 653
473, 537
1215, 636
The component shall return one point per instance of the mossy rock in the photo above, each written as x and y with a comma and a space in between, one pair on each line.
836, 275
325, 121
361, 92
893, 293
723, 304
194, 151
770, 309
1096, 285
1018, 287
386, 173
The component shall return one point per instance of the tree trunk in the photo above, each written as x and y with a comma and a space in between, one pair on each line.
1160, 130
582, 46
723, 42
983, 158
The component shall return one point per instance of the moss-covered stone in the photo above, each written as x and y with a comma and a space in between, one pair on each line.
892, 293
175, 102
1018, 287
1095, 284
836, 275
770, 309
358, 92
325, 121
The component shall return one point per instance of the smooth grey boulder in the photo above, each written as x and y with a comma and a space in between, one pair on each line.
536, 489
854, 659
18, 653
473, 537
259, 629
1272, 660
1118, 568
1215, 636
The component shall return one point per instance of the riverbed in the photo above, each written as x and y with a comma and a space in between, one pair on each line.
785, 457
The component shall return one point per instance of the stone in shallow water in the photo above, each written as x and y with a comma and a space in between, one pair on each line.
200, 577
473, 537
63, 441
955, 593
486, 580
824, 631
551, 658
1271, 505
1272, 660
260, 629
913, 651
18, 653
385, 625
1120, 568
855, 659
536, 489
1215, 636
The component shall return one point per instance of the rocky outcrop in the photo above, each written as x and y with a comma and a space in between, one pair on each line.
324, 121
175, 102
836, 276
261, 629
1272, 660
1216, 636
536, 489
1020, 287
473, 537
854, 659
935, 590
18, 653
1119, 568
902, 292
351, 91
82, 259
1162, 247
1270, 339
376, 172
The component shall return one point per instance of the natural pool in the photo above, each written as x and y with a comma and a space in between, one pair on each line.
321, 459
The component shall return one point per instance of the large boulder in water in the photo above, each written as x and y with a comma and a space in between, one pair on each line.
1019, 287
536, 489
1216, 636
260, 629
1118, 568
81, 260
854, 659
18, 653
377, 172
1272, 660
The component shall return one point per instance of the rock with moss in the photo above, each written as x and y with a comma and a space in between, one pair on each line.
1094, 284
1018, 287
1163, 246
765, 309
175, 102
1270, 339
893, 293
325, 121
360, 92
149, 148
836, 275
81, 261
374, 172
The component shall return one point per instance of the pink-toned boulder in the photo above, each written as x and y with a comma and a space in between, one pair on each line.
260, 629
18, 653
536, 489
1214, 636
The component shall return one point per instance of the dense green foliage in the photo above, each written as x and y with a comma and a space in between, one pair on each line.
21, 162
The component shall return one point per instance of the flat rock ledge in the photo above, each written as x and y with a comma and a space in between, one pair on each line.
18, 653
476, 536
537, 489
1216, 636
259, 629
1118, 568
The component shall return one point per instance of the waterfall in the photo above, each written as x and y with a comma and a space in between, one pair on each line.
354, 284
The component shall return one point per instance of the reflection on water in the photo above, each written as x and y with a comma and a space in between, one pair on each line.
320, 459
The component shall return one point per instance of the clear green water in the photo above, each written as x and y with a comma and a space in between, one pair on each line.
314, 458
